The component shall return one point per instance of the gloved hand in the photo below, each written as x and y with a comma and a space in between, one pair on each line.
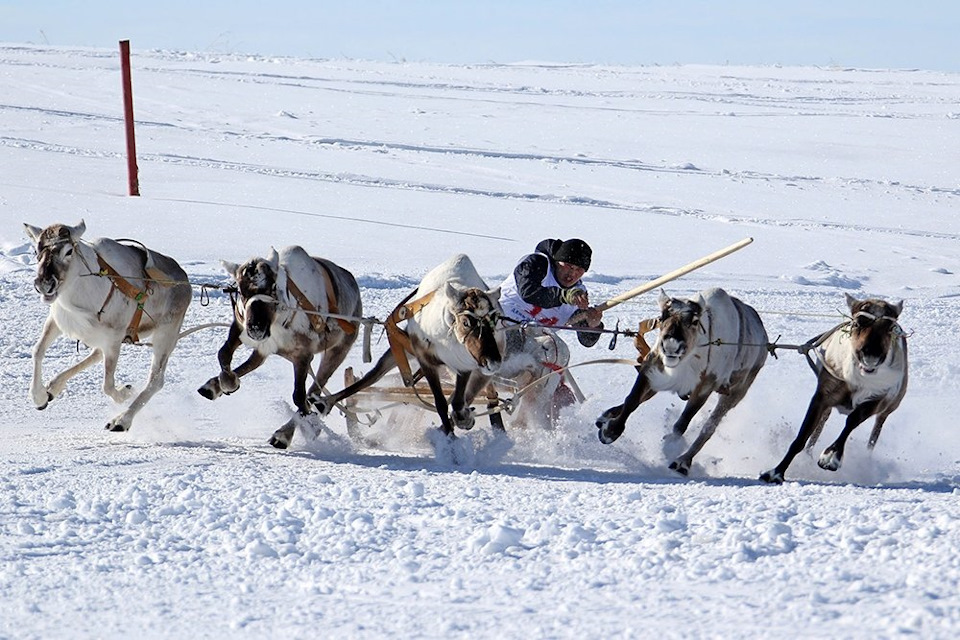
574, 296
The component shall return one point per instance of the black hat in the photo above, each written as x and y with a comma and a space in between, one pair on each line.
574, 251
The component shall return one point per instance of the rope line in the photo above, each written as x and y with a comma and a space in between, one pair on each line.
507, 405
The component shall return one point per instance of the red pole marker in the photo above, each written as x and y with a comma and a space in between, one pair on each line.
132, 178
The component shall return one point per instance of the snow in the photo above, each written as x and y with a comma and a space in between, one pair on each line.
190, 525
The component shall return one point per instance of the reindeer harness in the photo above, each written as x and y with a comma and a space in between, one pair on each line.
398, 339
316, 319
124, 286
118, 283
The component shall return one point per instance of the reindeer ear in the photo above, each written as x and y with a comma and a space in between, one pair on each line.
450, 291
663, 300
274, 259
32, 231
897, 307
493, 294
230, 267
851, 301
77, 231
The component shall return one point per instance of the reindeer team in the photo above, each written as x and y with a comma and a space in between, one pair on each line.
297, 306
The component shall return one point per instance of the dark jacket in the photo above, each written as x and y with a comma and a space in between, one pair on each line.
529, 275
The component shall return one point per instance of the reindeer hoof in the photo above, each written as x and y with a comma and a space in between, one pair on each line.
211, 389
41, 407
682, 468
320, 404
608, 433
829, 460
463, 420
229, 382
278, 443
124, 393
116, 427
772, 477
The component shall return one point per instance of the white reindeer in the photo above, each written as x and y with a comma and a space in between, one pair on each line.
451, 321
100, 293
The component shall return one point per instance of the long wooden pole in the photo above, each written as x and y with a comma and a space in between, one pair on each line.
132, 178
653, 284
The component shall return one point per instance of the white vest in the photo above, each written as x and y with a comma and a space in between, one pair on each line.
519, 309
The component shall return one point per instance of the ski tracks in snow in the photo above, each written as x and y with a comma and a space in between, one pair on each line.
359, 180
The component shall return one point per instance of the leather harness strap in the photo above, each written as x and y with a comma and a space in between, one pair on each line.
126, 288
398, 339
316, 319
638, 341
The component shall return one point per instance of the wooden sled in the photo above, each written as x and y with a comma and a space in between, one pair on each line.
499, 397
366, 407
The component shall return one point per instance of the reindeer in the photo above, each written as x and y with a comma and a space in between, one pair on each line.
100, 293
862, 371
713, 343
295, 306
451, 321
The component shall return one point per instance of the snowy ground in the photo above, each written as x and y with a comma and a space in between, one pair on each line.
192, 526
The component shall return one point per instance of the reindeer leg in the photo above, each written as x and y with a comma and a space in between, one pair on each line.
110, 357
461, 414
816, 431
329, 361
213, 388
39, 393
817, 412
832, 456
325, 404
164, 342
59, 383
479, 382
439, 400
229, 381
696, 401
496, 418
249, 365
737, 391
682, 464
877, 426
301, 368
612, 422
282, 437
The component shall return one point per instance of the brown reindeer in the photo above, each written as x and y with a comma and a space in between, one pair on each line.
296, 306
712, 344
862, 372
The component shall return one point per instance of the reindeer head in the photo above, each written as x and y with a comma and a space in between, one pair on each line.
679, 327
874, 330
56, 248
256, 303
476, 315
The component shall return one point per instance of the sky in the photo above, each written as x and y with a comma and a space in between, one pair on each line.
864, 34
